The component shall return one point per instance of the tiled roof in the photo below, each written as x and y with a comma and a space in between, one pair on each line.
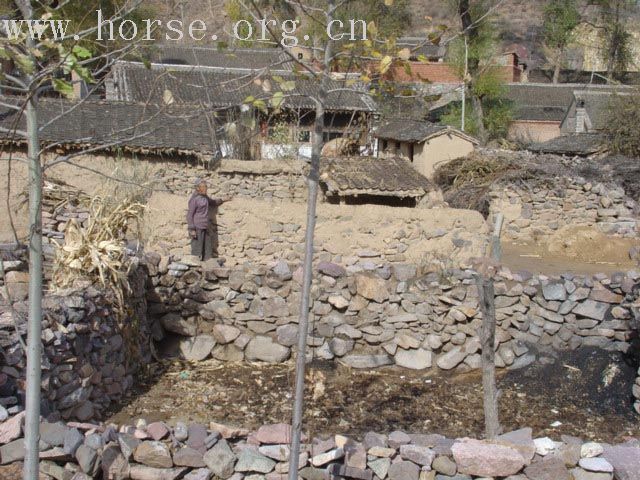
421, 46
392, 177
582, 144
144, 128
407, 130
548, 102
597, 107
220, 89
229, 58
540, 102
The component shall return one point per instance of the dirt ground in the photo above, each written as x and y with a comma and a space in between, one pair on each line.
589, 392
576, 250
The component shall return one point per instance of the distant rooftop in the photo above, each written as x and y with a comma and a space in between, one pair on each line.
407, 130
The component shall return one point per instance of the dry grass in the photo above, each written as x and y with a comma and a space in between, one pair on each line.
97, 252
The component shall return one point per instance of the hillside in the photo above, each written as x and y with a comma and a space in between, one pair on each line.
519, 21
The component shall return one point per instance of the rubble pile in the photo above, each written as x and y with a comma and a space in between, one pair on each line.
80, 451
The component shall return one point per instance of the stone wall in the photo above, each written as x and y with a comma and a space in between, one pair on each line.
368, 314
544, 209
90, 353
157, 451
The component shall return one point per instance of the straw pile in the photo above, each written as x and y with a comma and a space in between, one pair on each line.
97, 252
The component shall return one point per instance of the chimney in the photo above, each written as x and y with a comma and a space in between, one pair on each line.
581, 117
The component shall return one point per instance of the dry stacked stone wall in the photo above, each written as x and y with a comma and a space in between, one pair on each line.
543, 208
156, 451
90, 352
369, 315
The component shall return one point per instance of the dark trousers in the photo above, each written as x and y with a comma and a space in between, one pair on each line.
205, 245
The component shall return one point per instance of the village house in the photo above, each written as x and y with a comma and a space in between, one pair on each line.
369, 180
423, 144
259, 122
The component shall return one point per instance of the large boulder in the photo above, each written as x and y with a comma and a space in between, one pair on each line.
264, 349
197, 348
175, 323
485, 459
220, 459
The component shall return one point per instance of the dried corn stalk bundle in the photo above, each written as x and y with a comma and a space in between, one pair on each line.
97, 251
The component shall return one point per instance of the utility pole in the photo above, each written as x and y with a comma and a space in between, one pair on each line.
464, 83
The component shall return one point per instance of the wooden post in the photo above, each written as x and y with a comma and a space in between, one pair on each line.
486, 298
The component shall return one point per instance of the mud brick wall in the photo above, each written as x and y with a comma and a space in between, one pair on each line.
367, 315
543, 209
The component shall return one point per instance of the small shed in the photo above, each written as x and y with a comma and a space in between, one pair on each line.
424, 145
360, 180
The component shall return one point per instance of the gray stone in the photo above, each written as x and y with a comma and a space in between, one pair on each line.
373, 439
443, 464
591, 449
176, 324
199, 474
625, 461
266, 350
419, 359
198, 348
595, 465
327, 457
397, 439
72, 440
128, 444
451, 359
224, 334
404, 471
404, 272
53, 433
217, 310
380, 466
548, 468
287, 335
417, 454
331, 269
12, 452
580, 474
188, 457
251, 461
87, 458
367, 361
220, 459
181, 431
591, 309
340, 347
554, 291
277, 452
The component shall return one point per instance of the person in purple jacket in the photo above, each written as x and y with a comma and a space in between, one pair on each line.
201, 221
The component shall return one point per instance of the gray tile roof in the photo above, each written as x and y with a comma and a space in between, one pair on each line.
540, 102
413, 131
392, 177
135, 127
421, 46
222, 89
597, 107
581, 144
243, 59
547, 102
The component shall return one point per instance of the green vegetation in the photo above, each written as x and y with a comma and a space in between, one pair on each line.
561, 17
623, 135
474, 54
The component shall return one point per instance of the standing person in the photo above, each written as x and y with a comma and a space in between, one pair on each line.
201, 221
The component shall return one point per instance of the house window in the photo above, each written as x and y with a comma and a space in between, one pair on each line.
384, 145
397, 147
304, 136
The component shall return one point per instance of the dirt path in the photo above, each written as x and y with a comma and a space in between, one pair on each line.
354, 402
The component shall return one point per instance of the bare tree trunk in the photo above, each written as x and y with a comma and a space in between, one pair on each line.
479, 116
556, 71
34, 325
312, 198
